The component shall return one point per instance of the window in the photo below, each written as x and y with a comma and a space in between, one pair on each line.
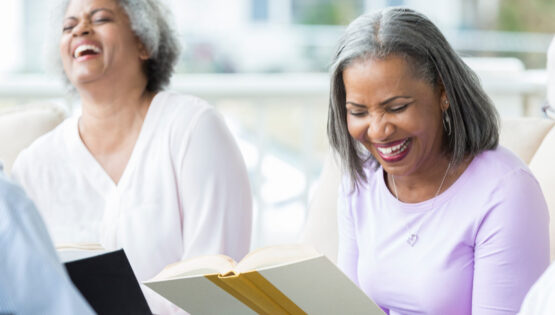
395, 3
326, 12
259, 10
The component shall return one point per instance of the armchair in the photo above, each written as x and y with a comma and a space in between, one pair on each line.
20, 125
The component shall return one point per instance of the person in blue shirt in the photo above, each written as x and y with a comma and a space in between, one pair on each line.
32, 279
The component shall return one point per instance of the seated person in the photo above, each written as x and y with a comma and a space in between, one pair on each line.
550, 106
33, 280
154, 172
541, 298
434, 217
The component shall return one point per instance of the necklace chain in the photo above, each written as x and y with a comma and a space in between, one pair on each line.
413, 236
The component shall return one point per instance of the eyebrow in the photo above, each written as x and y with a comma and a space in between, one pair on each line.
93, 12
381, 103
101, 9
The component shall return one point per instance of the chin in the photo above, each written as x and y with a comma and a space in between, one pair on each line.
84, 79
398, 168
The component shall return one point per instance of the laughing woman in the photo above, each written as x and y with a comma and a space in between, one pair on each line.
434, 216
150, 171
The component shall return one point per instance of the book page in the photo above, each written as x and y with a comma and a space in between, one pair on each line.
70, 252
276, 255
317, 286
314, 285
199, 296
79, 246
196, 266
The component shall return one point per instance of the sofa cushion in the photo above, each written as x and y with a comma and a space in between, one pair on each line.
523, 136
321, 224
20, 125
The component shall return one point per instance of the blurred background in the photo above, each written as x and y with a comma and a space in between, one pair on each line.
263, 64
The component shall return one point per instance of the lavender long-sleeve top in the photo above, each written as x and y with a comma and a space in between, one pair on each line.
481, 243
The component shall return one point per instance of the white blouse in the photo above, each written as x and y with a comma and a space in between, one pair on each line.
184, 192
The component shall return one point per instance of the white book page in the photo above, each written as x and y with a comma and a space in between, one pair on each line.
275, 256
317, 286
198, 295
201, 265
71, 252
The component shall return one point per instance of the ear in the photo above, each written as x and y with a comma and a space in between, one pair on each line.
444, 102
143, 52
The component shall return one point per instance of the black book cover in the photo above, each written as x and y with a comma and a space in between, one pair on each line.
108, 283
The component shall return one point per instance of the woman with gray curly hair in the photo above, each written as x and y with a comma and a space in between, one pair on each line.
154, 172
434, 217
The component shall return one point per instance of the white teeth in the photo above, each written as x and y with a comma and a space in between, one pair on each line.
79, 50
394, 150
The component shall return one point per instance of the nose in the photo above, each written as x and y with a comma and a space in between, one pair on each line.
380, 129
82, 28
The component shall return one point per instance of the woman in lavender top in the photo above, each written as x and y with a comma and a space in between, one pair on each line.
434, 216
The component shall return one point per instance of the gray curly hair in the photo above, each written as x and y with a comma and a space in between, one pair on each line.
149, 22
409, 34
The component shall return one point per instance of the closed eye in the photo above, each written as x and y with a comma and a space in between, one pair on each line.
101, 15
357, 113
355, 109
102, 20
68, 26
398, 109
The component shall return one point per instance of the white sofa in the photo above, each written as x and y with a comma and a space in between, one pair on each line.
20, 125
533, 139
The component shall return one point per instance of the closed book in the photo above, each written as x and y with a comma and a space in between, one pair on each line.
108, 283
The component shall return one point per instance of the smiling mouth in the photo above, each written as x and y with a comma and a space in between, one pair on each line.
394, 152
86, 50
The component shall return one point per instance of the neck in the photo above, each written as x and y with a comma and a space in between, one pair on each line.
424, 185
112, 117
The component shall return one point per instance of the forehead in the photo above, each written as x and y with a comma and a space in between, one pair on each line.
388, 71
373, 80
77, 7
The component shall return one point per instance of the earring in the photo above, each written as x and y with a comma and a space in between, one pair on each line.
447, 123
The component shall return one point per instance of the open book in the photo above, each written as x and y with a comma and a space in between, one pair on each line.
285, 279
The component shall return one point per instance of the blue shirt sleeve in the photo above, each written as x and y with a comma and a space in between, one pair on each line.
32, 279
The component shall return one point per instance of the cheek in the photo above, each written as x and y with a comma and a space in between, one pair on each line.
357, 128
426, 131
64, 50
